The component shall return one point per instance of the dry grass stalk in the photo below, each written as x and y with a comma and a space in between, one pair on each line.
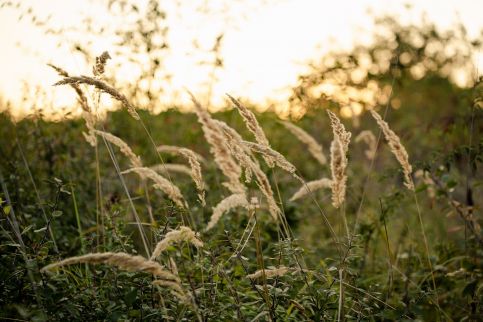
230, 202
220, 149
338, 159
91, 121
315, 149
231, 134
233, 147
161, 183
180, 150
194, 160
196, 173
339, 130
368, 138
270, 273
310, 187
99, 67
123, 146
338, 164
103, 87
173, 266
277, 158
62, 72
397, 149
182, 234
264, 186
87, 114
176, 290
245, 158
122, 260
252, 125
171, 167
81, 98
238, 151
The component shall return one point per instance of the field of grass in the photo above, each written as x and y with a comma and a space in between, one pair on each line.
240, 216
386, 253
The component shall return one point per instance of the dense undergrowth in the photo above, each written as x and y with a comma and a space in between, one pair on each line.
49, 170
388, 253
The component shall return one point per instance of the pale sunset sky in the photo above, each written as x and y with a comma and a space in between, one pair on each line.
263, 52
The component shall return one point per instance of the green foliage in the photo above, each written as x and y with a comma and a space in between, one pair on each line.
60, 197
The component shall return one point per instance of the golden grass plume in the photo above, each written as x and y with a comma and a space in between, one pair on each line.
182, 234
315, 149
99, 66
194, 160
310, 187
397, 149
253, 126
171, 167
161, 183
220, 149
368, 137
121, 260
338, 159
277, 158
103, 87
123, 146
274, 272
230, 202
247, 161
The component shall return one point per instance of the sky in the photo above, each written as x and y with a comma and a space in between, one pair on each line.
265, 47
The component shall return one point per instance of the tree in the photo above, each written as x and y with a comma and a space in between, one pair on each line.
414, 59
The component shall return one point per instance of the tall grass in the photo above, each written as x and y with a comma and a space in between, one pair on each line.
238, 247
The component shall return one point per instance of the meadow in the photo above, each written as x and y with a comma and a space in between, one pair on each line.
243, 216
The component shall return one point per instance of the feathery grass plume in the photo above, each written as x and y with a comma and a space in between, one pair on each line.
196, 173
194, 161
182, 234
125, 149
99, 67
180, 150
338, 159
338, 164
315, 149
176, 290
310, 187
397, 149
231, 134
91, 121
252, 166
233, 147
248, 162
277, 158
87, 114
220, 149
264, 185
103, 87
238, 151
81, 98
234, 138
339, 130
367, 137
161, 183
171, 167
270, 273
173, 266
122, 260
230, 202
253, 126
